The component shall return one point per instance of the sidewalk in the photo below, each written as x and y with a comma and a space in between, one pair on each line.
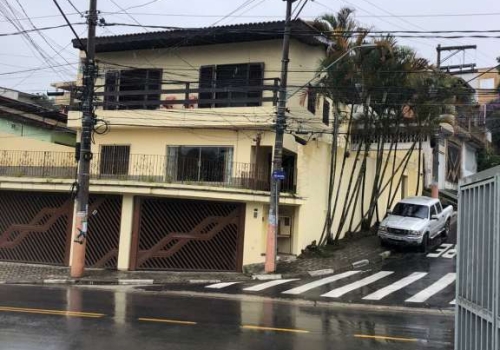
349, 254
15, 273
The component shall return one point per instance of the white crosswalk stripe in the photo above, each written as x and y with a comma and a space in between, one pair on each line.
336, 293
308, 286
382, 293
220, 285
434, 288
266, 285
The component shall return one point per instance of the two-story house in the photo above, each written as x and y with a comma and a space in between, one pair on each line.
182, 152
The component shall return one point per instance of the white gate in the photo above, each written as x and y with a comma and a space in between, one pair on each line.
478, 263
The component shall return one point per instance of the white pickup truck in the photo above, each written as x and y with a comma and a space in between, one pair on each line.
415, 221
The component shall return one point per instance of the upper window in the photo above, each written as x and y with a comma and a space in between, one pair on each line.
326, 112
311, 99
134, 88
231, 85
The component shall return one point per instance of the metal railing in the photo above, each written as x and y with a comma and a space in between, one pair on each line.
144, 168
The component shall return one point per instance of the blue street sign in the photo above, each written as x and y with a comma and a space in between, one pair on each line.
279, 175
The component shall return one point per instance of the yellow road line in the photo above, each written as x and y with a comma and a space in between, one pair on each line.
259, 328
51, 312
163, 320
382, 337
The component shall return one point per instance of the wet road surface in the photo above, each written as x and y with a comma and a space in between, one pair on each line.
33, 317
408, 278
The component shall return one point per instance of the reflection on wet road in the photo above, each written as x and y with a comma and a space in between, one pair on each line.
76, 318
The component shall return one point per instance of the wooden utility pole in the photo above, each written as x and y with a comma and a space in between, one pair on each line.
278, 175
82, 200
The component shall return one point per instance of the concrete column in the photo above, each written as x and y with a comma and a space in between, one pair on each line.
254, 239
126, 232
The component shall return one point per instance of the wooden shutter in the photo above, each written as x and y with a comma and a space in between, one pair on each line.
326, 112
111, 85
311, 99
255, 78
207, 77
153, 86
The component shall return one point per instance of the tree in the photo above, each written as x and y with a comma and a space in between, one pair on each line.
394, 90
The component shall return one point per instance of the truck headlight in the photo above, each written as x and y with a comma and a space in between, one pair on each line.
414, 233
382, 229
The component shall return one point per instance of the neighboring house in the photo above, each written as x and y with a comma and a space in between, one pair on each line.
27, 122
459, 144
180, 175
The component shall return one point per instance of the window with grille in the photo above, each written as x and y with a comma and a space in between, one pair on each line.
114, 160
194, 163
134, 88
232, 85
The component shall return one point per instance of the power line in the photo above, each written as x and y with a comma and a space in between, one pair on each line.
74, 7
38, 29
71, 26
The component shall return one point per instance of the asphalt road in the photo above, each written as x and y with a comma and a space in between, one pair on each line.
408, 278
33, 317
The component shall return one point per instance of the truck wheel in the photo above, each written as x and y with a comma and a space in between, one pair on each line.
384, 244
446, 230
424, 248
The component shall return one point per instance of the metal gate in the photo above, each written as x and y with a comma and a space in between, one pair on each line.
104, 231
171, 234
35, 227
478, 269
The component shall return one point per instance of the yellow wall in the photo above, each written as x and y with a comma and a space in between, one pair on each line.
20, 143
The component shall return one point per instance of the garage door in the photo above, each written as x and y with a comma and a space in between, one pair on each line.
172, 234
35, 227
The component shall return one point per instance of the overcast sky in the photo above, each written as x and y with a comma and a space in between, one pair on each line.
17, 54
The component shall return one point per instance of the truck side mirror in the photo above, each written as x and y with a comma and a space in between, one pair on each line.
434, 217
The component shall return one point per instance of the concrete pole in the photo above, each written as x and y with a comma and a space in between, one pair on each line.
80, 230
272, 227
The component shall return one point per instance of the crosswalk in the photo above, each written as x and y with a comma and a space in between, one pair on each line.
416, 287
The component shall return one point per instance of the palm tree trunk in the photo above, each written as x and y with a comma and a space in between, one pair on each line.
342, 168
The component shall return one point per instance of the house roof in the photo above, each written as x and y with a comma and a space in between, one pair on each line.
259, 31
32, 114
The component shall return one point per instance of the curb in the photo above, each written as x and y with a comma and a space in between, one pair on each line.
378, 258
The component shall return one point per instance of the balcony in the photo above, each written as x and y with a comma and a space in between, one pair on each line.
187, 95
143, 168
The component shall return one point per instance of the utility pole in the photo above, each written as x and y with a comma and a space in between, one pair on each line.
89, 72
278, 175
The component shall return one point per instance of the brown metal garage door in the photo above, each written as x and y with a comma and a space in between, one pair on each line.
35, 227
104, 231
171, 234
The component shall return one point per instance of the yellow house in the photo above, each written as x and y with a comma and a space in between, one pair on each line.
182, 151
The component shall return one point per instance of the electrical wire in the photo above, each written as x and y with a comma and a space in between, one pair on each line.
71, 26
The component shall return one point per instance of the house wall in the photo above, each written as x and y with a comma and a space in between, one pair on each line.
13, 142
183, 64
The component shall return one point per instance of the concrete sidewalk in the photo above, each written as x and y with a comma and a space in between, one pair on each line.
16, 273
350, 254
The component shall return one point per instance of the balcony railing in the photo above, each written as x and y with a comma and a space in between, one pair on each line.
143, 168
188, 94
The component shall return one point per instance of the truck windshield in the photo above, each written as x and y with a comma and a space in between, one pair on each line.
411, 210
